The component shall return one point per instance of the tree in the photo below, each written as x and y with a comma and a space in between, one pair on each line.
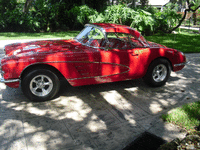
144, 2
133, 3
193, 6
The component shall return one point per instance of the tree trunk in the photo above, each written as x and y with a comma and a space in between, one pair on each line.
144, 2
133, 3
185, 13
194, 18
180, 22
27, 6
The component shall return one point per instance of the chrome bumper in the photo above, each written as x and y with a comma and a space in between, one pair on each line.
2, 80
181, 64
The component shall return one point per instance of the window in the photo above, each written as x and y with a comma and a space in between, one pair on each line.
122, 41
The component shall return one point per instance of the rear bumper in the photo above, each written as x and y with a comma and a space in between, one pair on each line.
181, 64
177, 67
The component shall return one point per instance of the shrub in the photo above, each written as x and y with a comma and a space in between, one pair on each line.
120, 14
144, 22
78, 16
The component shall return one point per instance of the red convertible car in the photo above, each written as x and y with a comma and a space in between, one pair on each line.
101, 53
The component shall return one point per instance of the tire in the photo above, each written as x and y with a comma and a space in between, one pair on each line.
40, 85
158, 73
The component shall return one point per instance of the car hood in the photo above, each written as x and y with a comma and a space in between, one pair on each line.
45, 46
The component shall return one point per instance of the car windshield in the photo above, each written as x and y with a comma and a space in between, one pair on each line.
90, 36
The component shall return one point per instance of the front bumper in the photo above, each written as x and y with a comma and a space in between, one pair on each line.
2, 80
13, 83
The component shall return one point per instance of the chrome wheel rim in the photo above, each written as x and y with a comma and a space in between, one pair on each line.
41, 85
159, 73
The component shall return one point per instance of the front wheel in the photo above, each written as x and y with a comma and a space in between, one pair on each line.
158, 73
40, 85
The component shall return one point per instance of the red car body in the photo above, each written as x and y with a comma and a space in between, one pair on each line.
85, 63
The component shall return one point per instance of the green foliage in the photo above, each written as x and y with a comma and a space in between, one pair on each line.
140, 19
148, 20
41, 17
51, 15
169, 14
78, 16
119, 14
195, 4
144, 22
10, 14
45, 13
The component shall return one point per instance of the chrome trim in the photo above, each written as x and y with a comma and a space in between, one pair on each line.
104, 75
2, 80
87, 62
181, 64
100, 76
76, 68
83, 62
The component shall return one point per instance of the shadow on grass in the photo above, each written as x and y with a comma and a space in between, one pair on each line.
185, 42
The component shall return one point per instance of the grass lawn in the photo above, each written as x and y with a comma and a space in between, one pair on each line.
184, 41
187, 116
18, 36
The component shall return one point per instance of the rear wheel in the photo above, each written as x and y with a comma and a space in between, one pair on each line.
158, 73
40, 85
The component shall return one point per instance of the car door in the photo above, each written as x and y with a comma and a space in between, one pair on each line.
121, 59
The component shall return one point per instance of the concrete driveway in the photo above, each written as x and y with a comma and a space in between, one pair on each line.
100, 117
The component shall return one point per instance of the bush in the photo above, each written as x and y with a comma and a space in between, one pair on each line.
10, 15
50, 15
78, 16
144, 22
120, 14
169, 14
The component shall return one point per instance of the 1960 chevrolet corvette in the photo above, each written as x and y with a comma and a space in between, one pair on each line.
101, 53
